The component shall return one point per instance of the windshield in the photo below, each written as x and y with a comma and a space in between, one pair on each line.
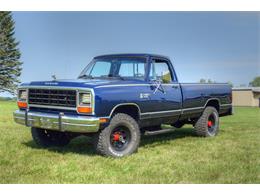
133, 68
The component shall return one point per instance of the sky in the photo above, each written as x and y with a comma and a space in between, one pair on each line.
221, 46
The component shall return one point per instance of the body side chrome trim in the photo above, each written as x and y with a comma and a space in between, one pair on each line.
136, 85
194, 108
185, 109
166, 111
226, 105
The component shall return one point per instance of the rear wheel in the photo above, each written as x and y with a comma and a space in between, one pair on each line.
48, 138
120, 138
208, 123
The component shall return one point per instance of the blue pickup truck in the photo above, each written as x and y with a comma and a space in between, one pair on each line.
116, 99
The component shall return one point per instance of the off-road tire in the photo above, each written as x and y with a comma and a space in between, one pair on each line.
201, 126
48, 138
102, 139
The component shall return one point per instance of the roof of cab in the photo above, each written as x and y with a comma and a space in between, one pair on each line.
131, 55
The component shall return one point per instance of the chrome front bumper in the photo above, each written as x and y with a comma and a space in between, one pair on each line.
60, 122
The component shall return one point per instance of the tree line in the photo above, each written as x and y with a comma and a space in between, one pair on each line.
254, 83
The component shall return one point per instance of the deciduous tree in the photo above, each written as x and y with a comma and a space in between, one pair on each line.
255, 82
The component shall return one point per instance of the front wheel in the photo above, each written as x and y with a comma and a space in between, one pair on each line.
120, 138
208, 124
47, 138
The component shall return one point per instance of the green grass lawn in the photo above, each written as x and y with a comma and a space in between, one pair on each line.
177, 157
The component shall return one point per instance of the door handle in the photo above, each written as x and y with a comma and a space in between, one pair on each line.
175, 87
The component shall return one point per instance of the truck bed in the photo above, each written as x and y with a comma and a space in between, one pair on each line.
196, 96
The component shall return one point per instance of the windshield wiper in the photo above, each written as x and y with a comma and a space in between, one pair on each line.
120, 77
114, 76
84, 76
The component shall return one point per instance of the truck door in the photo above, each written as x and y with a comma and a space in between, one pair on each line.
165, 91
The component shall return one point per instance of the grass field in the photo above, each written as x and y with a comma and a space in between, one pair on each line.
177, 157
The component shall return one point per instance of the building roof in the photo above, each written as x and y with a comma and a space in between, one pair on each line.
254, 89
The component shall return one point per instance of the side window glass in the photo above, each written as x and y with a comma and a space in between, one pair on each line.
160, 71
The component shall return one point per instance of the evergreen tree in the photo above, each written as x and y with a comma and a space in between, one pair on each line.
10, 64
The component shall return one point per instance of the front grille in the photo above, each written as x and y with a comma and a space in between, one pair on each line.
52, 97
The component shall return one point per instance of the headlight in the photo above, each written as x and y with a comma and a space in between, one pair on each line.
22, 95
86, 98
22, 98
85, 103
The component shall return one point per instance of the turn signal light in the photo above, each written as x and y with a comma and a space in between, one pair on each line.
84, 109
103, 120
22, 104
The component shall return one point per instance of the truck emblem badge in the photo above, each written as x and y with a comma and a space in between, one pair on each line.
51, 83
144, 95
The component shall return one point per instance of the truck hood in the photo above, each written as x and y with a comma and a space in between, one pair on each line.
87, 83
